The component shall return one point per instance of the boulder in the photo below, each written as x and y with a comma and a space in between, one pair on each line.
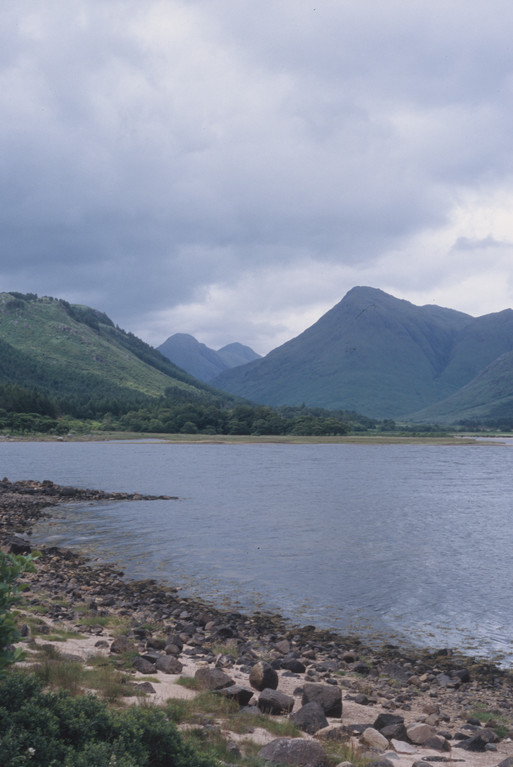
169, 664
419, 732
235, 692
294, 665
212, 678
121, 645
262, 676
298, 752
400, 747
373, 738
143, 666
437, 743
328, 696
391, 726
310, 718
274, 702
337, 733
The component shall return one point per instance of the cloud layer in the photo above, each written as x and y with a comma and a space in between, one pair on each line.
232, 169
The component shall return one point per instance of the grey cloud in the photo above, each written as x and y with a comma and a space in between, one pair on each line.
151, 150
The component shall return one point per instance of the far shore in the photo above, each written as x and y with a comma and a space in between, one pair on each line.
235, 439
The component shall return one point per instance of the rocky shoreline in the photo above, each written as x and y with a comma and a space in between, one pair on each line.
430, 690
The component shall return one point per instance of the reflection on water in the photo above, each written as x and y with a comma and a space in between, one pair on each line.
405, 539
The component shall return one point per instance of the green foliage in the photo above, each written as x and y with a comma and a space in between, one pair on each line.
54, 729
11, 567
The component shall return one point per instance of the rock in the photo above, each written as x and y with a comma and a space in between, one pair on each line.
437, 743
337, 733
156, 643
274, 702
283, 646
391, 726
262, 676
419, 732
145, 687
173, 649
478, 742
294, 751
508, 762
310, 718
169, 664
143, 666
380, 763
462, 674
402, 748
374, 739
212, 678
294, 665
328, 696
121, 645
17, 545
237, 693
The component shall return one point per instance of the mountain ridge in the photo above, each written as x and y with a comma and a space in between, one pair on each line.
200, 360
376, 354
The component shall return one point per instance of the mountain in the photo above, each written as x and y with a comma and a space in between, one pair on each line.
488, 397
199, 360
376, 354
68, 350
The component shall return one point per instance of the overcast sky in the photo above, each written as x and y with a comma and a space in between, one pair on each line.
231, 168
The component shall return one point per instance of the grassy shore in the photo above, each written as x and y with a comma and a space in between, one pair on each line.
235, 439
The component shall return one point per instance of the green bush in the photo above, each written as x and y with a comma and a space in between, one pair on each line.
53, 730
11, 567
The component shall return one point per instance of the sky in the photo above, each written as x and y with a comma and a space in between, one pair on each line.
231, 168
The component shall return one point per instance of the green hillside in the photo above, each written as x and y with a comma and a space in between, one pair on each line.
487, 398
375, 354
69, 350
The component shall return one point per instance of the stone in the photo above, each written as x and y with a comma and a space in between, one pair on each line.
478, 742
121, 645
143, 666
391, 726
374, 739
402, 748
419, 732
237, 693
310, 718
437, 743
213, 679
328, 696
262, 676
274, 702
283, 646
337, 733
173, 649
294, 665
156, 643
169, 664
298, 752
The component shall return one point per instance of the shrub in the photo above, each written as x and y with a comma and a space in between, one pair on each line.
50, 729
11, 567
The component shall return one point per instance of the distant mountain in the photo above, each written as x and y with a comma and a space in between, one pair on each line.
68, 350
488, 397
376, 354
199, 360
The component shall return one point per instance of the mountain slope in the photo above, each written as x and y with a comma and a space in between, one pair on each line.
70, 350
237, 354
489, 396
375, 354
199, 360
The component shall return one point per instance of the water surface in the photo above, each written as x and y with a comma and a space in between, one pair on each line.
399, 539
